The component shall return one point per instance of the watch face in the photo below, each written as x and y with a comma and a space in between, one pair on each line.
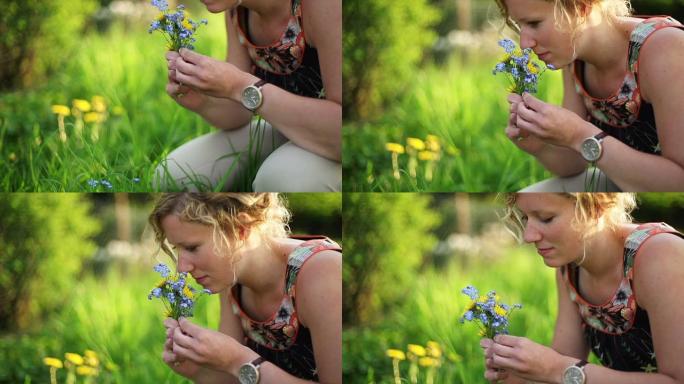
251, 97
573, 375
248, 374
591, 149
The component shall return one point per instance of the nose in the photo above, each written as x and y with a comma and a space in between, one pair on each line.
531, 234
527, 39
184, 264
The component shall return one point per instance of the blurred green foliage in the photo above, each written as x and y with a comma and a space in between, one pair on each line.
44, 239
38, 36
316, 214
673, 8
383, 41
385, 238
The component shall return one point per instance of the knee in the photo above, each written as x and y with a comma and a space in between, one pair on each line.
292, 169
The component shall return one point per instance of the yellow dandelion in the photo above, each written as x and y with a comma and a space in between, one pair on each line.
61, 110
81, 105
85, 370
427, 156
482, 299
53, 362
418, 144
161, 17
517, 52
188, 293
161, 283
427, 362
99, 104
417, 350
91, 358
499, 310
396, 354
532, 68
394, 147
432, 143
434, 349
186, 24
74, 358
93, 117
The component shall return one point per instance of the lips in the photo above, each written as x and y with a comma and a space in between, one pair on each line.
201, 279
544, 252
544, 56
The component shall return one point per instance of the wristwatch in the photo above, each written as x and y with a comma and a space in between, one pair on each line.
252, 98
249, 372
591, 149
574, 374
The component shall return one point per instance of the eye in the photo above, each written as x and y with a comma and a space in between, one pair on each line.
191, 248
534, 24
546, 220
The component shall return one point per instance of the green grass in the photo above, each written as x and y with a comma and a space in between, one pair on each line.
431, 311
465, 107
128, 69
110, 315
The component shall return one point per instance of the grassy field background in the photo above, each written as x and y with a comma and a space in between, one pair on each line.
465, 107
125, 66
431, 310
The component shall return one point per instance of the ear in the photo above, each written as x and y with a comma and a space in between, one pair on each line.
244, 220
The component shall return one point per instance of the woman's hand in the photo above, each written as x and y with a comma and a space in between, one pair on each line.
210, 76
212, 349
524, 358
185, 96
552, 124
520, 137
492, 374
182, 367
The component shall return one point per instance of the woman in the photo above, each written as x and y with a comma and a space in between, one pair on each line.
619, 294
623, 91
284, 64
281, 297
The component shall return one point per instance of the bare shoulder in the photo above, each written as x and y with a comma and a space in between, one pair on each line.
319, 286
661, 62
319, 17
659, 268
320, 266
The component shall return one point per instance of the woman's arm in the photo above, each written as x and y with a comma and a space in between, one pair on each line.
661, 80
313, 124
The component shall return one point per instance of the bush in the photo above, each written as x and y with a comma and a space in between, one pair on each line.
36, 37
383, 41
44, 239
386, 237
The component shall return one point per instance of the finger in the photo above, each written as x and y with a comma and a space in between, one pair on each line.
169, 357
170, 323
527, 113
486, 343
514, 98
190, 56
185, 79
171, 55
512, 133
509, 340
532, 102
185, 67
183, 353
182, 339
190, 328
502, 350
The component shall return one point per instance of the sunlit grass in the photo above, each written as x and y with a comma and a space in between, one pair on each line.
431, 311
128, 69
464, 105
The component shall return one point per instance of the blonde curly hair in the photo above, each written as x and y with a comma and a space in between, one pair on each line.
593, 212
225, 213
573, 12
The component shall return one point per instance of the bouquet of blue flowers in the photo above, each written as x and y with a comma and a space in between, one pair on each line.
517, 64
177, 295
177, 28
488, 312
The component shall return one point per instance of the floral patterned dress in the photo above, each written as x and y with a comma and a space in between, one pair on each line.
289, 63
624, 115
281, 339
618, 331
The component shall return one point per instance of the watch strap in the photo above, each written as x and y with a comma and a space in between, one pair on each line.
581, 363
260, 83
599, 136
257, 362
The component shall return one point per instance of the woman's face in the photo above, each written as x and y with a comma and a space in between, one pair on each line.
538, 31
194, 245
548, 225
218, 6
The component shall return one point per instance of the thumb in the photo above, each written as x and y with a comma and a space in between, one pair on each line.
189, 55
532, 102
187, 327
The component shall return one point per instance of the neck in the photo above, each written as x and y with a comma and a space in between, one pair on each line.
265, 9
612, 38
604, 250
261, 267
